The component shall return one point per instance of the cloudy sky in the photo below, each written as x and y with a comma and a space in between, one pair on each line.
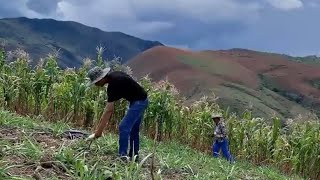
284, 26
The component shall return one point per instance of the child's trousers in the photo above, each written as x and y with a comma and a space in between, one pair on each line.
223, 145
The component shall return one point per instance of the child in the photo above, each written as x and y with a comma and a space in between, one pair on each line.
220, 138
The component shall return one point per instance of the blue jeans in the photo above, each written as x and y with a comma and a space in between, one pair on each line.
223, 145
130, 126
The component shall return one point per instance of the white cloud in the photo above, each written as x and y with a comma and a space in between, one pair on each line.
17, 8
139, 17
286, 4
111, 16
99, 13
133, 16
189, 23
207, 11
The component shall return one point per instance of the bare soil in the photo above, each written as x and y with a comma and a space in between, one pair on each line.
46, 167
21, 166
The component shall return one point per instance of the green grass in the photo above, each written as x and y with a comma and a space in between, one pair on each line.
172, 161
211, 66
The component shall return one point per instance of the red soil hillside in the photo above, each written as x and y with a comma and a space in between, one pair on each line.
161, 63
239, 77
286, 74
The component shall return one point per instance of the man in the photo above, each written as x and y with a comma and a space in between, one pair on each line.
121, 85
220, 138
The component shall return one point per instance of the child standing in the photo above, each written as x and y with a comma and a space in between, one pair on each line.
220, 138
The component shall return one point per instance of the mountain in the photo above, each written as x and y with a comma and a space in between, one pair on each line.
267, 83
76, 41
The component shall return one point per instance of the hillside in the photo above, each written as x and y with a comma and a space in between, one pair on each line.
75, 41
240, 78
59, 96
35, 149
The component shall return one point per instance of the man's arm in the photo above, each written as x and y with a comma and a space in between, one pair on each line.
104, 118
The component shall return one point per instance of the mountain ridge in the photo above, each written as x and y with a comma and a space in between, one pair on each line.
76, 41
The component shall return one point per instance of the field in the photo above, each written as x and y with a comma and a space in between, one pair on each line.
59, 96
32, 149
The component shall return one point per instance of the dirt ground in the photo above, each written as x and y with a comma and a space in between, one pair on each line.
22, 166
46, 167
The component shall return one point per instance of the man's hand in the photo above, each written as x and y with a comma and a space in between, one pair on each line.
103, 121
91, 137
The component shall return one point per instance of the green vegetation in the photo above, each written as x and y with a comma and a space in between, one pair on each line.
74, 40
30, 141
218, 68
315, 83
282, 96
311, 60
55, 95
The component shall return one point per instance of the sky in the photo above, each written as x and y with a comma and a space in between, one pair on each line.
280, 26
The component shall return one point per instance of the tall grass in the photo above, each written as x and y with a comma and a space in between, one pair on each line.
60, 95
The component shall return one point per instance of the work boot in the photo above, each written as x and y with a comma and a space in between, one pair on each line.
135, 158
124, 159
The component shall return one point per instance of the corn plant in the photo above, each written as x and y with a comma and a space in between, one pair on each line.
60, 95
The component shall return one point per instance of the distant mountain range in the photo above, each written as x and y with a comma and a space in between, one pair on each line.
75, 41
